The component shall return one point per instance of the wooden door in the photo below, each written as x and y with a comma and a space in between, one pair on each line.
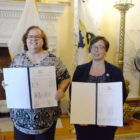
5, 61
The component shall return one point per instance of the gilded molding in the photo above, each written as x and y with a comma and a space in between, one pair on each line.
13, 9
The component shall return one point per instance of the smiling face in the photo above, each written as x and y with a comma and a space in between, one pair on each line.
98, 50
34, 40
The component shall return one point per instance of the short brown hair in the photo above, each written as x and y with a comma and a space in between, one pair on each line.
96, 39
44, 37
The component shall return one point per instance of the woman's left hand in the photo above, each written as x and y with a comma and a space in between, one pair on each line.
59, 94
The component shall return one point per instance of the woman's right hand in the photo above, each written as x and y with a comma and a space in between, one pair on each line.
3, 84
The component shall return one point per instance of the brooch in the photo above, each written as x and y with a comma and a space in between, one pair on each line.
107, 74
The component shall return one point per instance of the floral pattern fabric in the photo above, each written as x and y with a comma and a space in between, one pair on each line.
37, 121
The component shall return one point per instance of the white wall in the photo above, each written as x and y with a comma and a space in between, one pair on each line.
107, 20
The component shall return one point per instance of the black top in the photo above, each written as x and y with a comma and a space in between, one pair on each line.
96, 79
112, 74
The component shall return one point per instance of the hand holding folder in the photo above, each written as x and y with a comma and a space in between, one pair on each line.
97, 103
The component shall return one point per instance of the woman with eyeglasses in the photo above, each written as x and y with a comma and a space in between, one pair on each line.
96, 71
38, 124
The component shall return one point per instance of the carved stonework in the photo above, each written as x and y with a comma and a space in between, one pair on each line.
14, 9
10, 12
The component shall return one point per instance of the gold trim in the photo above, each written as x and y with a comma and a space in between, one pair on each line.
65, 3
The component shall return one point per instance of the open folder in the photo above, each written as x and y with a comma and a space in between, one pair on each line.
33, 87
97, 103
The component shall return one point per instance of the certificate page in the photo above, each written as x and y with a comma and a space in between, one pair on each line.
109, 104
83, 103
43, 86
17, 89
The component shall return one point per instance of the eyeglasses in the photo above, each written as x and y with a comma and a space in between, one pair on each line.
98, 47
34, 36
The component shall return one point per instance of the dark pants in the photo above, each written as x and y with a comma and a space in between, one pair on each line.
48, 135
94, 132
